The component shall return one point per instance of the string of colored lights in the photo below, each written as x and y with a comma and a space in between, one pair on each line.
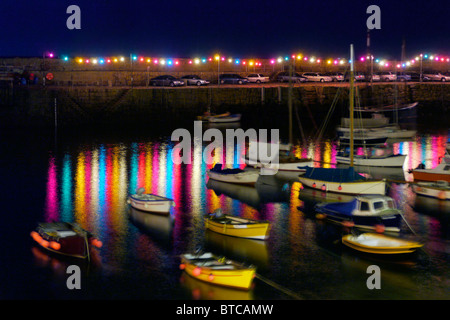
250, 62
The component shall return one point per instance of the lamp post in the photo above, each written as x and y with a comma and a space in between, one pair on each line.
217, 57
421, 70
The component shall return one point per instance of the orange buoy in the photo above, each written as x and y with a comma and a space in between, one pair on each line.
211, 277
324, 187
348, 224
379, 228
97, 243
314, 185
55, 245
197, 271
44, 243
36, 237
182, 266
441, 195
320, 216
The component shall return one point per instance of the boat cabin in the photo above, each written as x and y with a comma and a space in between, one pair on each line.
373, 204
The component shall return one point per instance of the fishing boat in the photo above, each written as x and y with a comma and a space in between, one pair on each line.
441, 172
438, 189
236, 117
216, 270
236, 226
375, 212
150, 202
233, 175
380, 243
343, 180
65, 239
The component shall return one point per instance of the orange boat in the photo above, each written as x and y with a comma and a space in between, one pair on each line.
440, 173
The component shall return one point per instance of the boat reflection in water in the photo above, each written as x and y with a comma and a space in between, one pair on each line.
158, 227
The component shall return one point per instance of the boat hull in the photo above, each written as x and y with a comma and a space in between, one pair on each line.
359, 187
391, 161
431, 191
390, 223
233, 278
247, 177
257, 231
424, 175
379, 244
225, 119
156, 206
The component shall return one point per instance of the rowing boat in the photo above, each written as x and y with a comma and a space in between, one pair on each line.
380, 243
221, 271
150, 202
237, 226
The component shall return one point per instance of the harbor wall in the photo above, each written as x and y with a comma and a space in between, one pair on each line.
36, 105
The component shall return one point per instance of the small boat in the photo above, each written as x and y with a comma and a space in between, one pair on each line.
225, 118
375, 212
392, 107
363, 140
390, 131
237, 226
377, 120
150, 202
390, 160
66, 239
380, 243
438, 189
341, 180
218, 270
441, 172
233, 175
207, 115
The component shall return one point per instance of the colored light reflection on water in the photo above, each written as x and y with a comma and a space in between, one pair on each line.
90, 186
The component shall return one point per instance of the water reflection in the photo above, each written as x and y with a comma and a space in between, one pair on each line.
90, 186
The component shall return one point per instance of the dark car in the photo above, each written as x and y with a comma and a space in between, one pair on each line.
194, 80
232, 78
166, 80
403, 76
284, 77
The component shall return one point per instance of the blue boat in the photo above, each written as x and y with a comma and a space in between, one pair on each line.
374, 212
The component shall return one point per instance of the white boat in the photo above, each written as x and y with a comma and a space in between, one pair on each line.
387, 108
233, 175
390, 131
397, 160
438, 189
150, 202
377, 120
380, 244
343, 180
225, 118
441, 172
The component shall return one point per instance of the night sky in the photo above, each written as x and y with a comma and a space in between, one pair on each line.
244, 28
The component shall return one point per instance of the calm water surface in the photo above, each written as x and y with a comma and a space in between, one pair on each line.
85, 177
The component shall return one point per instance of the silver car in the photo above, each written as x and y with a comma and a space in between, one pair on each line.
257, 78
194, 80
315, 76
435, 76
166, 80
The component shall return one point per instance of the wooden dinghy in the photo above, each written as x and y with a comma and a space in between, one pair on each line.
150, 202
237, 226
233, 175
218, 270
379, 243
66, 239
438, 189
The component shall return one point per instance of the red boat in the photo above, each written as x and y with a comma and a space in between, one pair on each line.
440, 173
66, 239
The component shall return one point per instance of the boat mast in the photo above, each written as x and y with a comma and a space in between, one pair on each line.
352, 98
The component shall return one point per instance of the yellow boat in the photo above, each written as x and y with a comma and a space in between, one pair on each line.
237, 226
219, 271
380, 244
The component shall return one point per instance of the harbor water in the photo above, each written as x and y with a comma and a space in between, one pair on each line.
85, 176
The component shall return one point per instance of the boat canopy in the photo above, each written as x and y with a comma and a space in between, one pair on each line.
218, 169
333, 174
341, 207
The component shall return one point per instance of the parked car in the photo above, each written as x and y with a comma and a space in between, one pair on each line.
435, 76
374, 76
166, 80
315, 76
257, 78
387, 76
360, 76
335, 76
232, 78
402, 76
447, 76
284, 77
194, 80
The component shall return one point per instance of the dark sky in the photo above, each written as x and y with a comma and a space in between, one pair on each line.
238, 28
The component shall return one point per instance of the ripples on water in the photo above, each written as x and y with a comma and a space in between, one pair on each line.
89, 184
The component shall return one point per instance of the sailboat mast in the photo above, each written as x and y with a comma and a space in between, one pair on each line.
352, 99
